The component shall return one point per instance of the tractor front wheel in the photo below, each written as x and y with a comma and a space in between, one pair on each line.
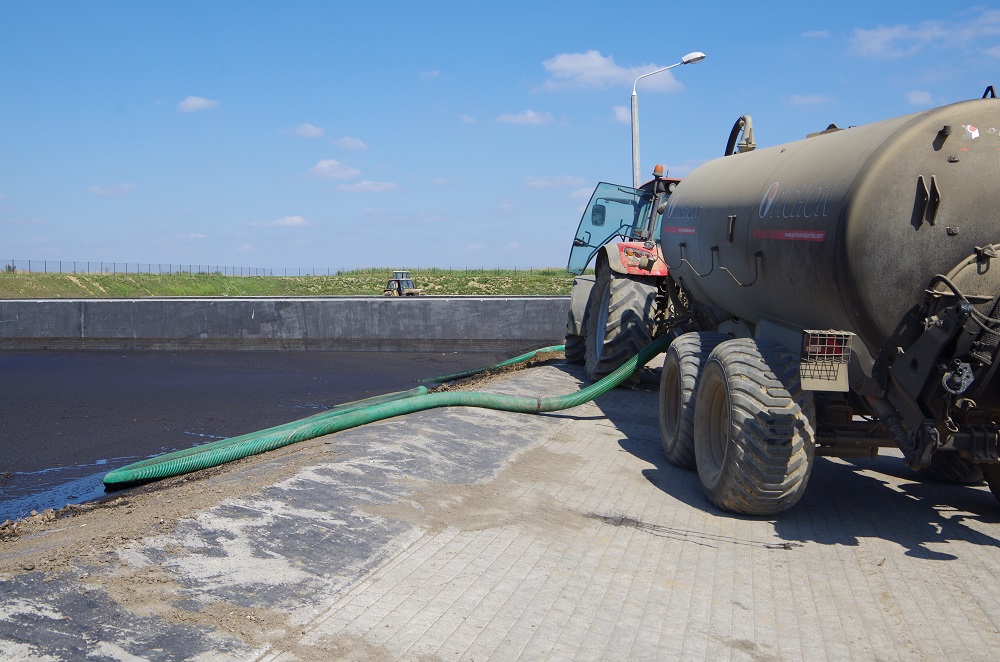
620, 322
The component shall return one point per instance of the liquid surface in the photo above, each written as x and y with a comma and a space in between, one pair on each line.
67, 418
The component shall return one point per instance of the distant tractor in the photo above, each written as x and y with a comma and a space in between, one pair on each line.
401, 285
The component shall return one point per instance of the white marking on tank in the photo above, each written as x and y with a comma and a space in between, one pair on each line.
767, 200
792, 203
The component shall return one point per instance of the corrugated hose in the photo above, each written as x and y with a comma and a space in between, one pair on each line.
361, 412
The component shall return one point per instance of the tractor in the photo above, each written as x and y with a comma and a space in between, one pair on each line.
401, 285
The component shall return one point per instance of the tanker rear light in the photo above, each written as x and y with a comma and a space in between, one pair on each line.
824, 359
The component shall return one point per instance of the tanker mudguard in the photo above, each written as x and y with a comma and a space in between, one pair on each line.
887, 233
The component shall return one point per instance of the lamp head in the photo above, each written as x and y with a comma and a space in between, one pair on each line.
691, 58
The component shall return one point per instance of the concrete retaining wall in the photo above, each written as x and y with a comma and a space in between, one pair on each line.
332, 323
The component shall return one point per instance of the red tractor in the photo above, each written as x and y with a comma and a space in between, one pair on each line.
614, 314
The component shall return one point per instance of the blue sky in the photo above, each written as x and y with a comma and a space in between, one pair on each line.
402, 134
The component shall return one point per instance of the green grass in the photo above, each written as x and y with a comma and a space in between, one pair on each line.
365, 282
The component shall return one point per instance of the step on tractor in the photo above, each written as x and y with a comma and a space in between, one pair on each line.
401, 285
831, 296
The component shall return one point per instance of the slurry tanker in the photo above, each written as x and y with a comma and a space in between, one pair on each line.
828, 296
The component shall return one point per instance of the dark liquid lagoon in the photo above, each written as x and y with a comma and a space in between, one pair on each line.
67, 418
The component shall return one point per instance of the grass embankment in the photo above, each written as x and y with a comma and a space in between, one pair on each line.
364, 282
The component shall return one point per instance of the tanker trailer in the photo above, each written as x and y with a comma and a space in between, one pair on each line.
846, 293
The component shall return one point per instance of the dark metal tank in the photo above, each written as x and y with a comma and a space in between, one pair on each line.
846, 229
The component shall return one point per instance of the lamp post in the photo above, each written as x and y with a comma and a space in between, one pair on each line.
690, 58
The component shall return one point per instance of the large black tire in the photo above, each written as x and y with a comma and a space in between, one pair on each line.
678, 385
576, 348
953, 468
576, 321
991, 472
754, 434
620, 322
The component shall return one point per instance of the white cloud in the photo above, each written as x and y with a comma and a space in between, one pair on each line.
529, 117
245, 248
332, 169
448, 181
112, 191
552, 182
368, 186
993, 52
191, 104
897, 41
591, 70
514, 246
477, 247
622, 114
347, 142
283, 222
809, 100
582, 193
920, 98
308, 131
816, 34
468, 119
431, 74
194, 236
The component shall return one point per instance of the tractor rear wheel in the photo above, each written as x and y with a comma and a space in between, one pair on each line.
948, 467
576, 322
754, 436
620, 322
678, 385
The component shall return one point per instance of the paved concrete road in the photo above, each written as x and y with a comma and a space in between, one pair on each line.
471, 535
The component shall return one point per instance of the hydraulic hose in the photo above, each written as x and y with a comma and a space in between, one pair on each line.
355, 414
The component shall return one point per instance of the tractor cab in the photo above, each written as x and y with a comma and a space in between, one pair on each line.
620, 212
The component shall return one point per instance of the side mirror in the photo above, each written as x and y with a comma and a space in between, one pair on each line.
597, 215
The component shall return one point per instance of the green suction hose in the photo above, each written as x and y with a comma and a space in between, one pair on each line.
336, 410
440, 379
355, 414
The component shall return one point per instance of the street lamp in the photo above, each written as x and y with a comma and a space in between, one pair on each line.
690, 58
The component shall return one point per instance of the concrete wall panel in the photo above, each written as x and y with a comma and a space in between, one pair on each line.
348, 323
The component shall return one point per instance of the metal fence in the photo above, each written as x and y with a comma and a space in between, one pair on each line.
75, 267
